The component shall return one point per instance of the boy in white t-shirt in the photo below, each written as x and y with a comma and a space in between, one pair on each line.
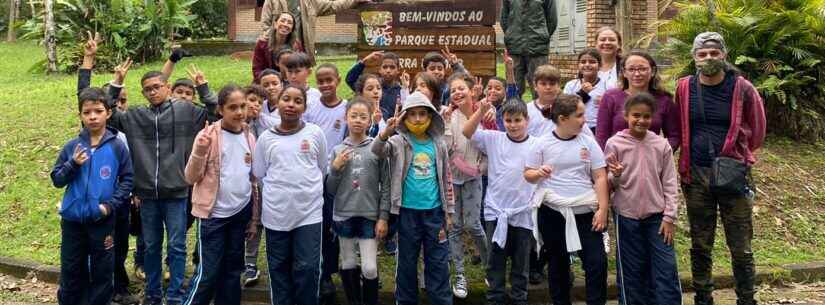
328, 111
507, 211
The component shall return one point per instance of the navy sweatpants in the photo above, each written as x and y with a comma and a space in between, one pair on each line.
221, 250
646, 266
86, 262
417, 229
294, 259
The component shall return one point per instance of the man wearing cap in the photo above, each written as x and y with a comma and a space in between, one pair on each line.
723, 124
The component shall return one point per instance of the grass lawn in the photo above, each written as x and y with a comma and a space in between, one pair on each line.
40, 115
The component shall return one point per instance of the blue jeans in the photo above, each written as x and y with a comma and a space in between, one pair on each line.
155, 214
417, 229
294, 259
86, 262
646, 266
221, 250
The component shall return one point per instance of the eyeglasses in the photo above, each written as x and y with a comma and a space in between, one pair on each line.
639, 70
152, 88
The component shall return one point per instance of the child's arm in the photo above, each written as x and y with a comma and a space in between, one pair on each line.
209, 99
115, 86
336, 169
259, 161
84, 74
169, 65
510, 77
602, 195
670, 186
68, 163
196, 167
614, 165
379, 146
384, 203
358, 68
472, 124
122, 194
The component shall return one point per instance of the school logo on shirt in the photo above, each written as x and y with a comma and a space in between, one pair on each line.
337, 125
105, 172
585, 154
421, 166
305, 146
247, 158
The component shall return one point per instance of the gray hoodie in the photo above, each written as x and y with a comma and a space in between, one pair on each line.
361, 187
399, 152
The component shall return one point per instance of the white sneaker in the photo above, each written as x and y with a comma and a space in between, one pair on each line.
460, 286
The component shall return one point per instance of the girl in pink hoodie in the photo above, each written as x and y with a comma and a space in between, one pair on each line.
645, 197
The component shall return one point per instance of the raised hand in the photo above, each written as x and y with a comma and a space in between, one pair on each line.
392, 124
178, 54
508, 61
587, 86
614, 166
79, 156
478, 88
90, 47
342, 159
196, 75
377, 55
121, 70
451, 58
485, 107
405, 80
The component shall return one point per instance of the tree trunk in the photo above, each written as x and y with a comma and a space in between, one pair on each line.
624, 11
51, 48
13, 4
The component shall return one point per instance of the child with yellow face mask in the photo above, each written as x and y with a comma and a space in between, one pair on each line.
420, 197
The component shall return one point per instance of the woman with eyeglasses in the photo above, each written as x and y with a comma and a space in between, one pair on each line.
638, 73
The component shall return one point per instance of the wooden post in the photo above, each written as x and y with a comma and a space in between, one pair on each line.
51, 48
13, 4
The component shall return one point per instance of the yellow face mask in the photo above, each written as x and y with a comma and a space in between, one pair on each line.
417, 129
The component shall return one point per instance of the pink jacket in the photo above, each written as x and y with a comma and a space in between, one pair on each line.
747, 124
648, 184
203, 171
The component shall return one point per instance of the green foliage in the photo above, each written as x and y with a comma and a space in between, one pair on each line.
211, 22
778, 44
130, 28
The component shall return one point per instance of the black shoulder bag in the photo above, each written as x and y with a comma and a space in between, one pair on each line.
728, 176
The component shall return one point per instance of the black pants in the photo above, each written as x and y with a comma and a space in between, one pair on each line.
121, 250
517, 249
329, 243
86, 262
594, 259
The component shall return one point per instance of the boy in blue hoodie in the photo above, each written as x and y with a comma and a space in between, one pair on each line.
96, 169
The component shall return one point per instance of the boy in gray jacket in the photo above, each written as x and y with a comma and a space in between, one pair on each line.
420, 196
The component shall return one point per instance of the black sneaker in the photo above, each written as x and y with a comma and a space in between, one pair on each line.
251, 275
535, 278
152, 301
125, 298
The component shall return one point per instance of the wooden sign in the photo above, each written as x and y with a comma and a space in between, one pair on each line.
412, 28
475, 38
479, 63
427, 14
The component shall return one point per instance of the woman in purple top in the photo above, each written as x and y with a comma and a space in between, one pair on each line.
638, 74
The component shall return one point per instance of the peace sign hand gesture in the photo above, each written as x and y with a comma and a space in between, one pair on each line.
90, 47
121, 70
196, 75
79, 156
452, 59
342, 159
392, 124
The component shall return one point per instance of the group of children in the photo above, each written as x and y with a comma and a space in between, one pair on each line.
325, 178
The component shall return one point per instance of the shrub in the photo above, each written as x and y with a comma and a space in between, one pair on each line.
778, 44
130, 28
211, 22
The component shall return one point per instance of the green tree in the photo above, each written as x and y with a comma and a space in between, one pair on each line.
778, 44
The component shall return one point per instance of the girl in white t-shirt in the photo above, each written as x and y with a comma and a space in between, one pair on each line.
573, 194
588, 85
609, 45
290, 160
